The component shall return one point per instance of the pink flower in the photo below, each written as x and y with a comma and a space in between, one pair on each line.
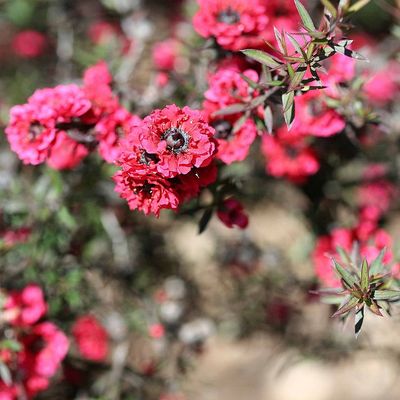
29, 44
313, 117
165, 54
30, 134
235, 24
91, 338
157, 331
227, 87
66, 153
28, 304
289, 156
231, 213
111, 129
180, 138
383, 85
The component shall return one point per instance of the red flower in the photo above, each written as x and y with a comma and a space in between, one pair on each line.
289, 156
66, 153
180, 138
29, 44
111, 129
165, 54
28, 305
231, 213
149, 194
235, 24
91, 338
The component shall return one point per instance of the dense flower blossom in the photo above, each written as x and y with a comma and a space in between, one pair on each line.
231, 213
180, 138
227, 87
27, 306
42, 345
289, 156
235, 25
370, 246
165, 159
91, 338
62, 125
29, 44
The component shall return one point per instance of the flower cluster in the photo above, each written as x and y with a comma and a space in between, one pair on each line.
166, 159
241, 24
61, 125
35, 349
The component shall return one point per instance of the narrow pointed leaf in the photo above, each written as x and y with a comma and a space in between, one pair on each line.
359, 321
239, 123
377, 265
375, 309
298, 76
343, 254
386, 294
358, 6
296, 45
330, 7
353, 302
205, 219
250, 82
232, 109
364, 275
268, 119
304, 15
346, 276
288, 108
5, 374
261, 57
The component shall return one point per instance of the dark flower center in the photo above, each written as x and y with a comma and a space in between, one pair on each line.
228, 16
147, 158
177, 140
291, 152
146, 189
35, 130
223, 129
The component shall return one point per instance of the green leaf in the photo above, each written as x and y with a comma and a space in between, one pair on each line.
349, 53
374, 308
343, 254
364, 276
377, 265
261, 57
205, 219
250, 82
359, 321
304, 15
358, 6
5, 374
268, 119
288, 108
232, 109
239, 123
298, 76
386, 294
349, 305
10, 344
330, 7
345, 275
296, 45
